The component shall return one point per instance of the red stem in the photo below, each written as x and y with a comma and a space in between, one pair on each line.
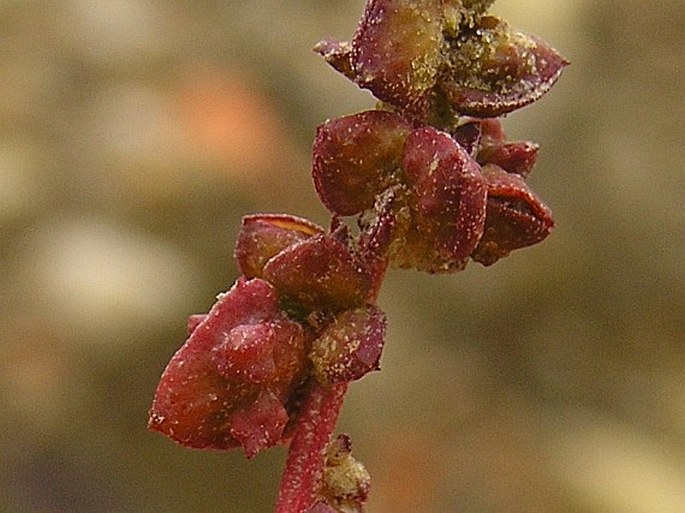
304, 466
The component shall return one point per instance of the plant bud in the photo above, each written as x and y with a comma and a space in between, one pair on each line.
319, 273
356, 157
263, 236
516, 217
350, 346
231, 383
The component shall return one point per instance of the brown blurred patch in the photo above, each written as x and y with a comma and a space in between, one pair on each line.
231, 122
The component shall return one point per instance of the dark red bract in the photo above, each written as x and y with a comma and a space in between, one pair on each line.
264, 236
319, 274
516, 216
447, 203
350, 346
493, 70
356, 157
230, 384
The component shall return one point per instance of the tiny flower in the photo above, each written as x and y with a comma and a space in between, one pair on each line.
515, 217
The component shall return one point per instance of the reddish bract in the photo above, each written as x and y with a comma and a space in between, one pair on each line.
485, 140
447, 202
263, 236
356, 157
319, 274
396, 52
516, 216
230, 383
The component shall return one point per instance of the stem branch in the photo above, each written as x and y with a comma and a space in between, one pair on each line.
304, 465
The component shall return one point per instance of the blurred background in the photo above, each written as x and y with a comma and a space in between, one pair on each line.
134, 134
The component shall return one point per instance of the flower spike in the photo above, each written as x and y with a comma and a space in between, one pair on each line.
428, 180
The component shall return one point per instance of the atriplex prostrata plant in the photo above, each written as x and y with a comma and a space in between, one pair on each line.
427, 180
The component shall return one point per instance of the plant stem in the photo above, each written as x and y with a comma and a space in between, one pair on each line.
304, 465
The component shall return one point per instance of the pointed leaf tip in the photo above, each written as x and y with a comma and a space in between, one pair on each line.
494, 70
